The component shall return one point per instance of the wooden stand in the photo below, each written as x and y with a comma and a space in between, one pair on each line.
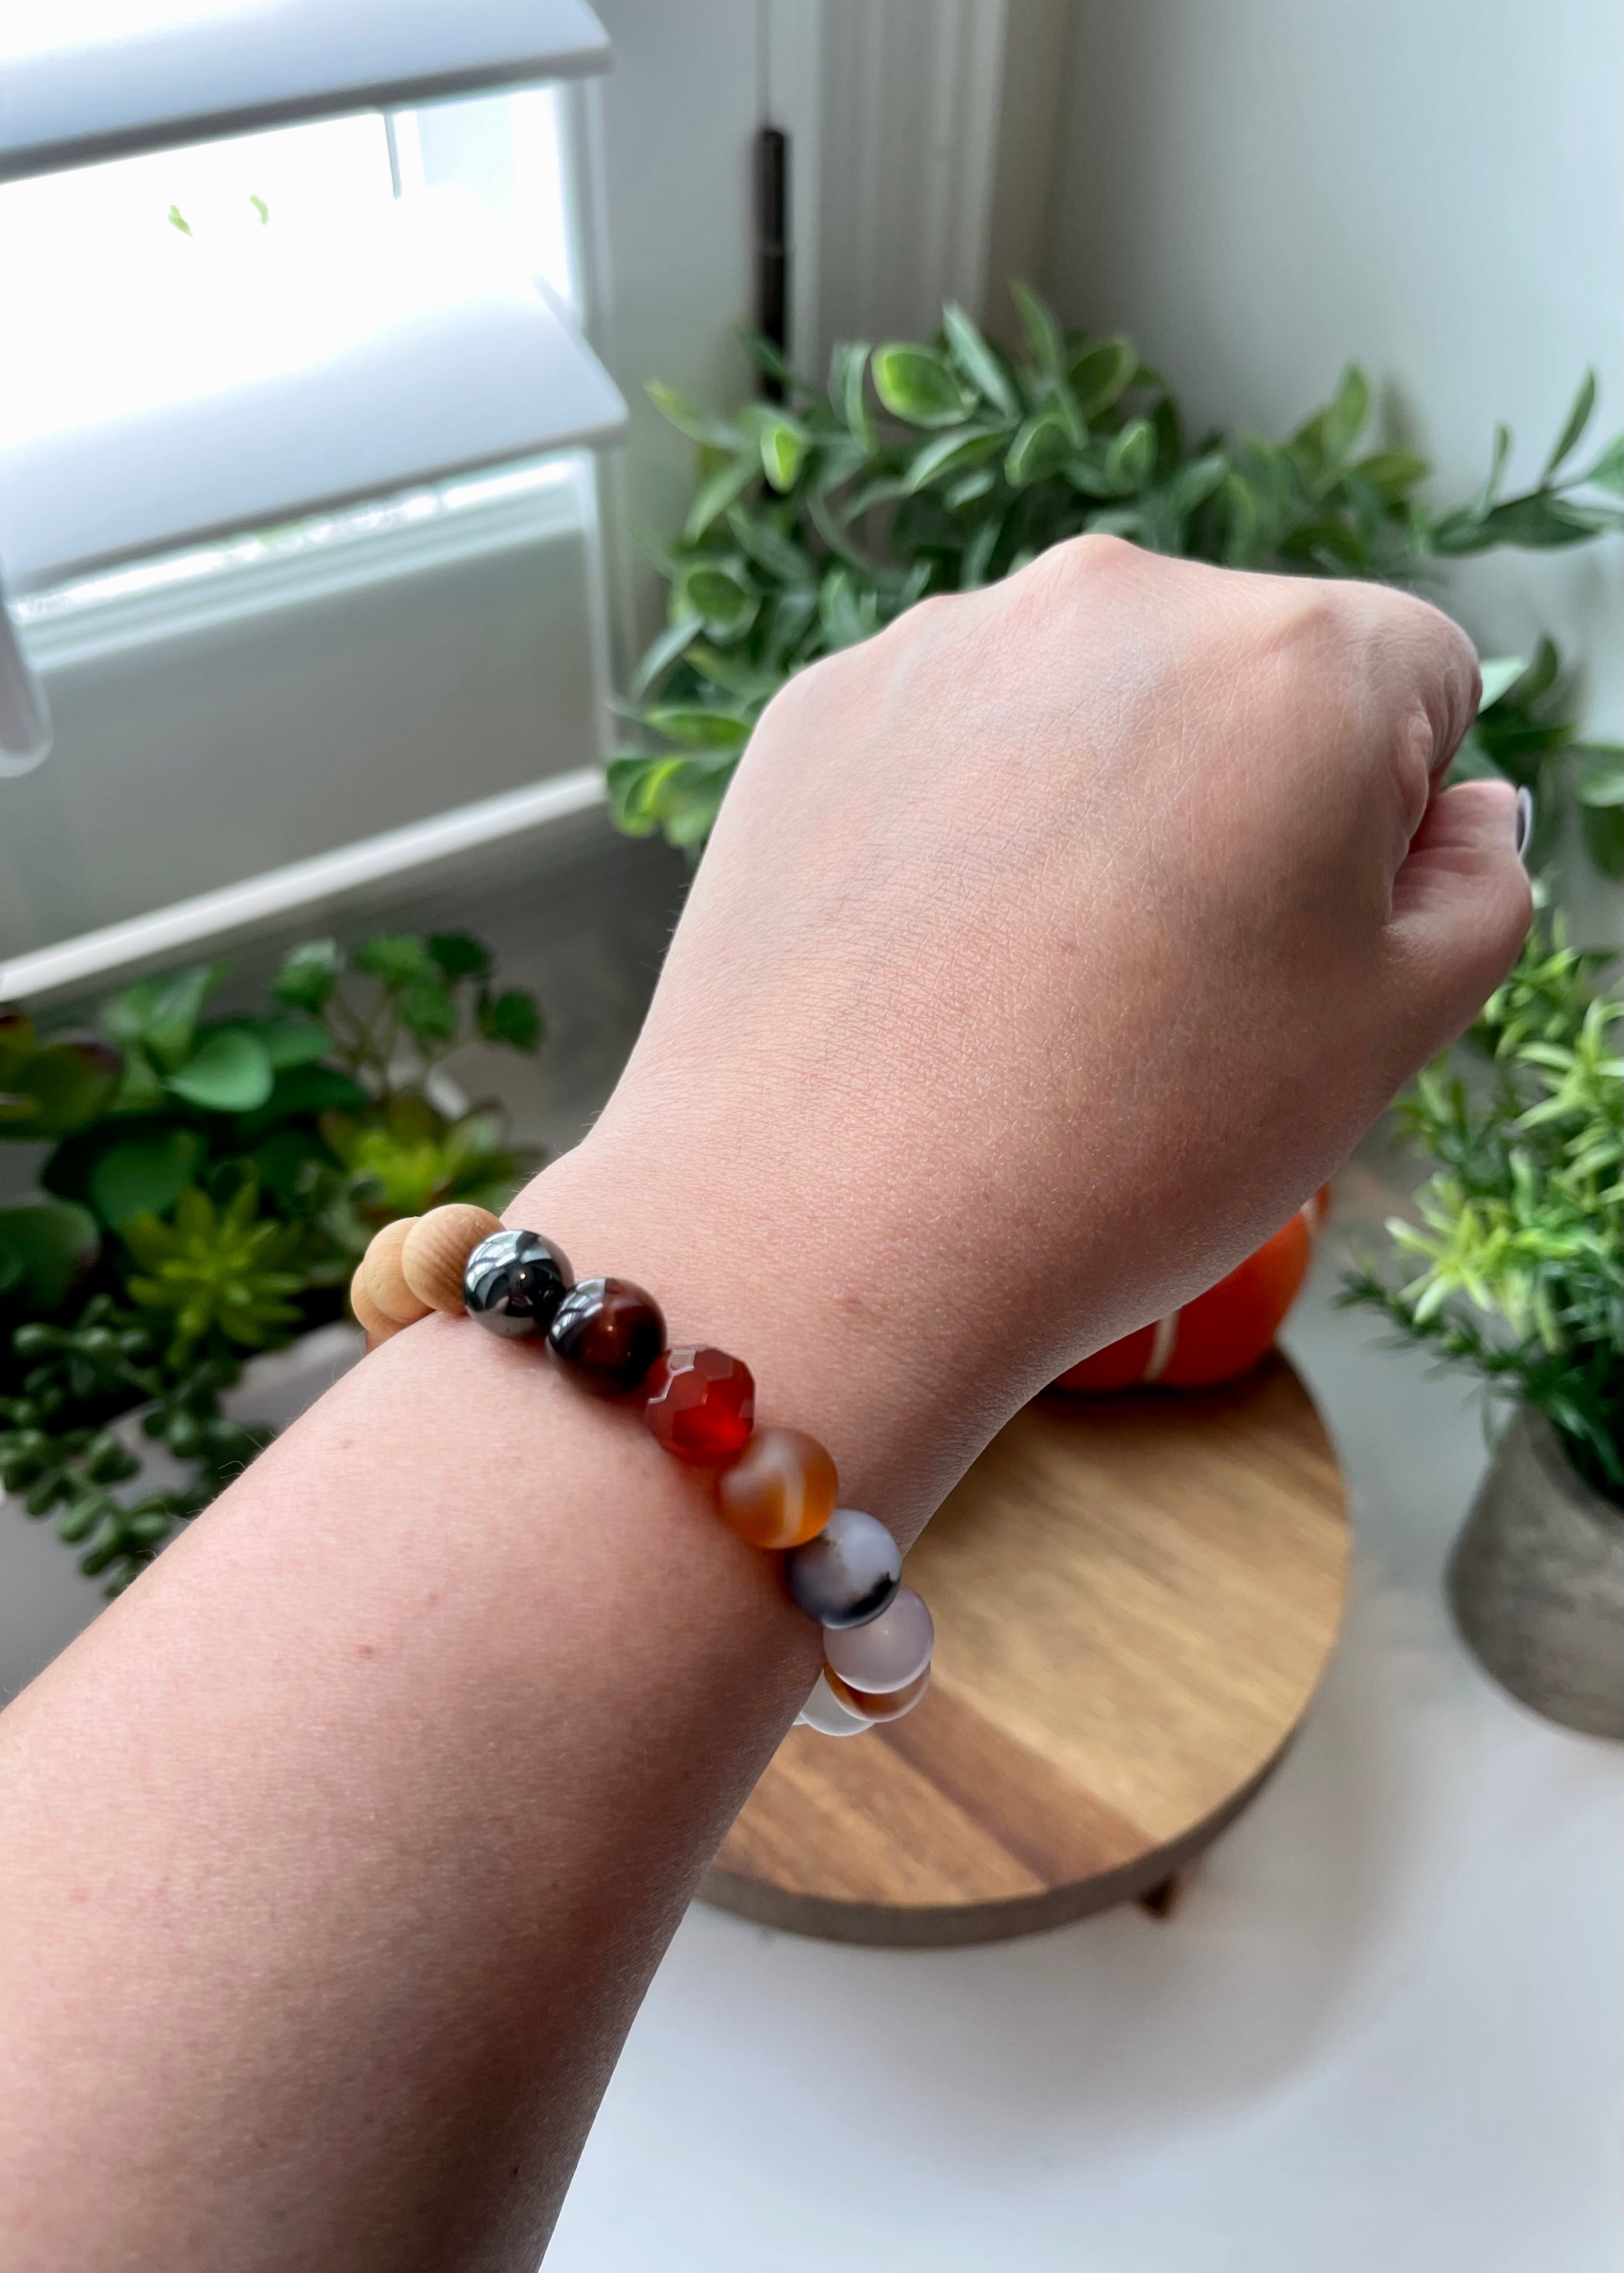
1135, 1601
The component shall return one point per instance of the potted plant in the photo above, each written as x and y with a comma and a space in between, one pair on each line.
938, 466
208, 1186
1521, 1247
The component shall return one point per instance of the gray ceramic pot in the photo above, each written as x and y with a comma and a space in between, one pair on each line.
1537, 1582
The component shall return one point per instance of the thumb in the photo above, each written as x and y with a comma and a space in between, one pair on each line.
1461, 907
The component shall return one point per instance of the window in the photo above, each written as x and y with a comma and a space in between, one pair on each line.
328, 683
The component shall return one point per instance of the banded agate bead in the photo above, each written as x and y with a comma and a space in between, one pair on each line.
701, 1403
888, 1652
781, 1492
608, 1333
513, 1283
889, 1706
848, 1574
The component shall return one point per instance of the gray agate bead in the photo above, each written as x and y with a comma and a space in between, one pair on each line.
513, 1283
848, 1574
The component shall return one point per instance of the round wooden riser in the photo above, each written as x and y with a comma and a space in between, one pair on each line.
1135, 1601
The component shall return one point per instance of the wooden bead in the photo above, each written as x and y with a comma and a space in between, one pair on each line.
377, 1327
435, 1247
380, 1268
781, 1492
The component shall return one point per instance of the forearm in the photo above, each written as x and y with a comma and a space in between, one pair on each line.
339, 1853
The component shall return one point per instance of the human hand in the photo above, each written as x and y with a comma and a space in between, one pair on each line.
1051, 948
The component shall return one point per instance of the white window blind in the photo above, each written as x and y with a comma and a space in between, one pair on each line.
291, 503
86, 79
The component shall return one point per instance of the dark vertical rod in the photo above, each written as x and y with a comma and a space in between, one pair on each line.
772, 246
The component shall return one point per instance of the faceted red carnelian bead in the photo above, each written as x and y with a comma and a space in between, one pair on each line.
701, 1403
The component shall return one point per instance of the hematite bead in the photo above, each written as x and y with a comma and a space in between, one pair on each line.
513, 1283
608, 1332
848, 1574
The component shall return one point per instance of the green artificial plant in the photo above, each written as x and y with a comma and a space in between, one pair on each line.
208, 1186
1518, 1260
940, 465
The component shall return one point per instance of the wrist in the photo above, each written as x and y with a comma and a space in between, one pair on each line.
832, 1333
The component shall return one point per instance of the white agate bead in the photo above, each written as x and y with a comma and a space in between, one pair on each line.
823, 1712
888, 1652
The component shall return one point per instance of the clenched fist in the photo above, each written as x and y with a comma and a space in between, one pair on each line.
1050, 949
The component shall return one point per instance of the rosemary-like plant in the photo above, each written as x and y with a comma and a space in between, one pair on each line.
1520, 1248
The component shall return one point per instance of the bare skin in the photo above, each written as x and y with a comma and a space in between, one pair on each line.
1051, 949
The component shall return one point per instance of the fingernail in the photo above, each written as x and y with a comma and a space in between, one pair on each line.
1525, 822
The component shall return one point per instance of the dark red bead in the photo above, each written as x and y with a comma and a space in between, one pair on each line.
608, 1333
701, 1404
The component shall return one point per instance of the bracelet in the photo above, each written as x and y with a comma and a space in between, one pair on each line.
775, 1487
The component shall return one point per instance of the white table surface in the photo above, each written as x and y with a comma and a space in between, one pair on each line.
1381, 2034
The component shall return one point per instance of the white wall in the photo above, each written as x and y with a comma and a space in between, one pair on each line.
1262, 190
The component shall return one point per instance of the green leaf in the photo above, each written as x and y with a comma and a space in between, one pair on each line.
458, 956
1042, 334
290, 1041
1601, 831
718, 494
1344, 418
848, 366
397, 959
1607, 473
698, 728
1578, 419
723, 603
1040, 449
161, 1014
972, 486
1194, 482
1499, 673
511, 1018
46, 1250
689, 419
783, 444
230, 1071
978, 362
950, 455
1605, 786
1130, 459
302, 1092
916, 385
1393, 473
1102, 373
145, 1176
660, 653
427, 1010
50, 1089
309, 975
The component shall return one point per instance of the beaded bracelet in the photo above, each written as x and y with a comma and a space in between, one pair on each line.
775, 1487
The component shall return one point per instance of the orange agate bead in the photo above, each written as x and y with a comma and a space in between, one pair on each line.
780, 1492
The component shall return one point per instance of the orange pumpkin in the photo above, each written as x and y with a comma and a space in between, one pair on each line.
1223, 1332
